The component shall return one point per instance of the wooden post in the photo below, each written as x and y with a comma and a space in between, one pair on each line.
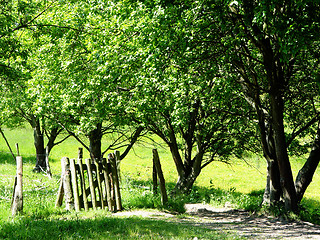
98, 172
164, 196
91, 185
61, 189
60, 194
80, 153
17, 148
107, 185
154, 178
67, 187
17, 205
83, 184
75, 185
115, 181
118, 160
48, 171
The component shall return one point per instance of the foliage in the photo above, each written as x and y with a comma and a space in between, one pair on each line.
201, 75
121, 62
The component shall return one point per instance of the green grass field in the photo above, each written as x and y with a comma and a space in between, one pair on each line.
240, 184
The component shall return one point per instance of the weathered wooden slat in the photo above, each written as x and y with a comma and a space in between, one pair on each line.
99, 183
68, 194
74, 184
113, 161
60, 194
84, 193
17, 203
154, 179
107, 184
91, 184
164, 196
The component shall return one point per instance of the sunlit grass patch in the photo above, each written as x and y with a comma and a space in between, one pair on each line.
104, 227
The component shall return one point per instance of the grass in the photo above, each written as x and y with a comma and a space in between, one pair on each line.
103, 227
240, 185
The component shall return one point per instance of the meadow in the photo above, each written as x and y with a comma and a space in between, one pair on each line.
238, 184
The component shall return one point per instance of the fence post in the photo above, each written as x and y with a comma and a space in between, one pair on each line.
61, 190
75, 184
82, 181
17, 203
100, 193
48, 171
114, 171
164, 196
67, 187
118, 161
80, 153
106, 174
91, 184
154, 178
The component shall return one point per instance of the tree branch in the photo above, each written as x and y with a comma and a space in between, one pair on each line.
303, 128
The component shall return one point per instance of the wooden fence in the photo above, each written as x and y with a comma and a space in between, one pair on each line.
90, 184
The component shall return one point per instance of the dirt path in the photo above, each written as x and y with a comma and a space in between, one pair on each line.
236, 221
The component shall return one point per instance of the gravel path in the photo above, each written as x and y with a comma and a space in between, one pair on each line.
236, 221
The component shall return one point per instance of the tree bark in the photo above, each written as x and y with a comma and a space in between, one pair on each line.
95, 137
39, 146
185, 183
286, 178
306, 173
55, 131
272, 191
191, 172
273, 187
133, 139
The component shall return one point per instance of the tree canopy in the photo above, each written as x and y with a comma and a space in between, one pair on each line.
210, 78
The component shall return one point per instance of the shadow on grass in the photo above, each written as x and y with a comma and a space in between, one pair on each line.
104, 228
7, 158
140, 194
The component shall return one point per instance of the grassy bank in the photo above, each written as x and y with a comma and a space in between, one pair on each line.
239, 184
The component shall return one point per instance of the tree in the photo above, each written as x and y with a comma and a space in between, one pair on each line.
67, 83
270, 49
167, 86
268, 45
18, 18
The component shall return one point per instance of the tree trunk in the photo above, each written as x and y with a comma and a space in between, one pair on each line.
306, 173
133, 139
273, 190
286, 178
273, 187
192, 170
95, 137
185, 183
39, 145
55, 131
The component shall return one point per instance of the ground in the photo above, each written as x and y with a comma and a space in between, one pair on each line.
235, 221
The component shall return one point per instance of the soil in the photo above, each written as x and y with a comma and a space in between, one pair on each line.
235, 221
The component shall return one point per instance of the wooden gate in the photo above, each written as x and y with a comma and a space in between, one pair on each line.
90, 184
